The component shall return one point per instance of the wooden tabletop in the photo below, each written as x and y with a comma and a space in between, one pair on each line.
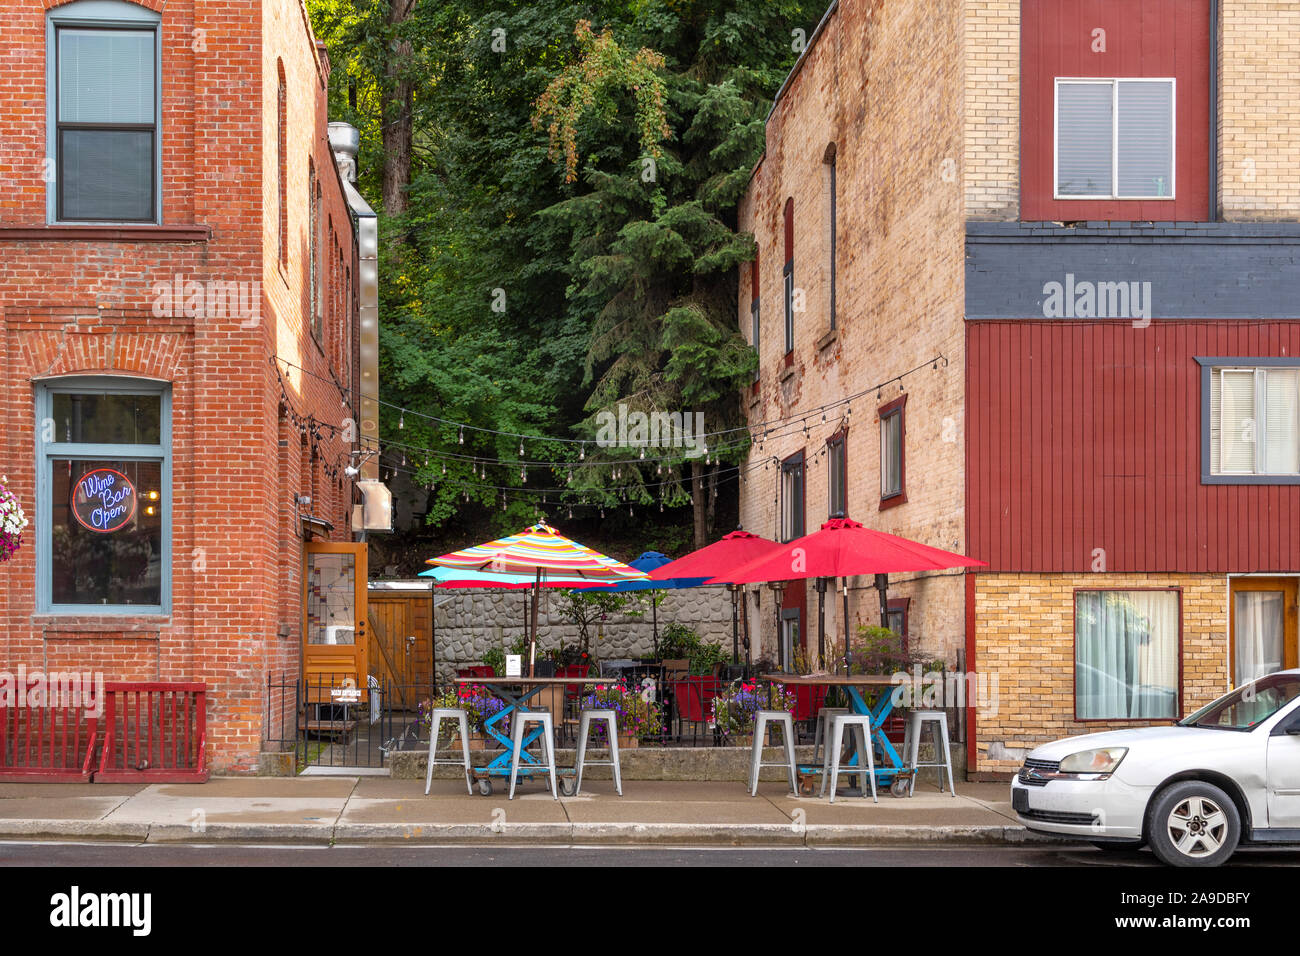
538, 680
837, 680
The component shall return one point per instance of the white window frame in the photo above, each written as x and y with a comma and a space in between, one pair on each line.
1114, 83
1260, 431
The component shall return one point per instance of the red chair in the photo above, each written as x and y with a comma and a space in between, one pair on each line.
693, 698
808, 701
477, 670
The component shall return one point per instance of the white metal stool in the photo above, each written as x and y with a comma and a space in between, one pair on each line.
584, 728
860, 724
520, 718
437, 717
823, 725
916, 721
761, 719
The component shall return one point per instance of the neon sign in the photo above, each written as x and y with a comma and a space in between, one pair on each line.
103, 500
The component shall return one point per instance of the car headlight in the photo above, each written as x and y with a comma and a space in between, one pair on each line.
1101, 761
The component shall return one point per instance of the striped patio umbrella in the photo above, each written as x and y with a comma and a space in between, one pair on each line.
546, 554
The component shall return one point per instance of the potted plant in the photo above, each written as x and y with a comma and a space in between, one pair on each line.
12, 521
734, 709
479, 705
639, 715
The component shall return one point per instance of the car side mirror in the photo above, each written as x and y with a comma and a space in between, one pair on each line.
1294, 730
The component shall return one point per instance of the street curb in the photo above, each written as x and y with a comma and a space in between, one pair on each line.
79, 830
547, 834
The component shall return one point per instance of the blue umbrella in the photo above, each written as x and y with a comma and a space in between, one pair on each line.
648, 561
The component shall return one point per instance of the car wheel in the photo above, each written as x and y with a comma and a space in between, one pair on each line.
1193, 824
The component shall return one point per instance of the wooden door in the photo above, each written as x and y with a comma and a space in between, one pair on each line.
402, 642
1262, 625
335, 647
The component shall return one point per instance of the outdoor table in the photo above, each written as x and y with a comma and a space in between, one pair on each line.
516, 692
890, 772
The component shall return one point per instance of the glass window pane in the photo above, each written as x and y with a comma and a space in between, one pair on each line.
106, 174
891, 455
1237, 422
107, 418
106, 76
1281, 422
106, 545
1146, 138
1259, 626
1083, 144
1126, 654
331, 598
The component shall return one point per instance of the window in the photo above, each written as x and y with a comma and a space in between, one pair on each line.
829, 161
892, 457
103, 519
837, 476
792, 500
896, 619
754, 323
1115, 139
1250, 429
281, 160
102, 95
313, 251
1126, 654
788, 273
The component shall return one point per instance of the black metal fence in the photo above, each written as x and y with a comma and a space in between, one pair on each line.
326, 720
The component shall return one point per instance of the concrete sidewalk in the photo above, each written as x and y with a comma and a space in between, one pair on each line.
346, 809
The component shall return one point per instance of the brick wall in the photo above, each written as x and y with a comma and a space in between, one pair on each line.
899, 291
991, 167
1024, 635
86, 306
1259, 109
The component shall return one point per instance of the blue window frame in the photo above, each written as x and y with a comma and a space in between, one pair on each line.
103, 147
104, 501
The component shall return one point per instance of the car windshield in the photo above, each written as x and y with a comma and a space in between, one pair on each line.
1248, 705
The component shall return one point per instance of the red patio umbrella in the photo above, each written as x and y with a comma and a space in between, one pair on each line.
843, 548
731, 551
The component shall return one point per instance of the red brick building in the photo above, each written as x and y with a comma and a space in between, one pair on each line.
172, 221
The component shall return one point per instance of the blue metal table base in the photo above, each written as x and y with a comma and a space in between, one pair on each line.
529, 764
890, 766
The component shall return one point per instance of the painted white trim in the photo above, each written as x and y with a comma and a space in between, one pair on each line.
1114, 137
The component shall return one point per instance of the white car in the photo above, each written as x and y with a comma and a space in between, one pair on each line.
1227, 774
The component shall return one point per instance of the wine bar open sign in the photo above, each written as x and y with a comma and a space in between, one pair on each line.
103, 500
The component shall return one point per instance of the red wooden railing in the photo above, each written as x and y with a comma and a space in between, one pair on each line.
154, 732
47, 744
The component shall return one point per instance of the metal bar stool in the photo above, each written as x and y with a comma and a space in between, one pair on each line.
761, 719
438, 715
543, 717
584, 728
861, 727
823, 721
916, 721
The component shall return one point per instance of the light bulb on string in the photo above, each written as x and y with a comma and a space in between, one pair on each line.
444, 467
523, 474
521, 448
582, 451
643, 452
461, 440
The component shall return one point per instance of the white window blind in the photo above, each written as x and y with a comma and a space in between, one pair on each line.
1255, 421
1115, 139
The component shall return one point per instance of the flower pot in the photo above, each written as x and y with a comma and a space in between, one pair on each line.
476, 742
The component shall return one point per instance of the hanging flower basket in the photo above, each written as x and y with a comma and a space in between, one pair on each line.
12, 521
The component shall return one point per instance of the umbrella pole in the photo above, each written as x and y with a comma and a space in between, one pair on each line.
821, 623
845, 583
654, 619
735, 624
882, 585
532, 642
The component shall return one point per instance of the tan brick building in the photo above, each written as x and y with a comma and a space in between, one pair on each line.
1104, 316
172, 223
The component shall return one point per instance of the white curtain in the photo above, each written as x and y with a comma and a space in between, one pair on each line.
1259, 638
1281, 421
1126, 654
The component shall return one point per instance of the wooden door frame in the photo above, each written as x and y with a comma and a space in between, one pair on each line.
361, 639
1290, 586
